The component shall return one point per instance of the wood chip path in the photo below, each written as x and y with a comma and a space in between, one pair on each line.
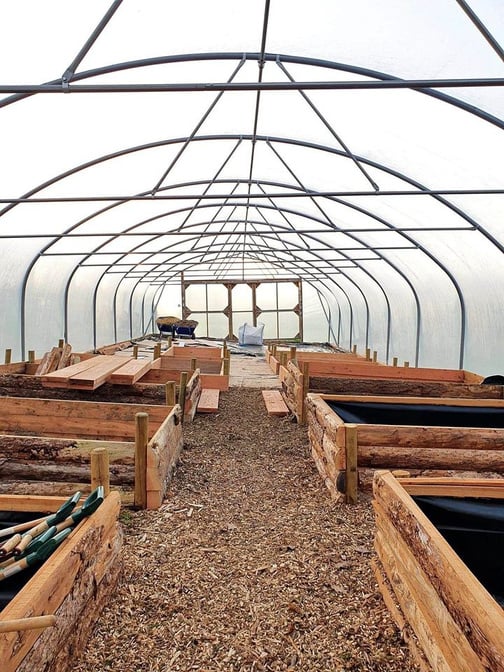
248, 566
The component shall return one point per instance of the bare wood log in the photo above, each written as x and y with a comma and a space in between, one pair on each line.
391, 457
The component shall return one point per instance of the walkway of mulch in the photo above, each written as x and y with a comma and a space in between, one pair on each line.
248, 566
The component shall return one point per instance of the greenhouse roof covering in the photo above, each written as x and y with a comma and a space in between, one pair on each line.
355, 146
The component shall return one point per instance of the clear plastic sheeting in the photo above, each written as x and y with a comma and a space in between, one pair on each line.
356, 147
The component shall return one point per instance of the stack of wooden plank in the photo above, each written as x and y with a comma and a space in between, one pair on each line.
95, 371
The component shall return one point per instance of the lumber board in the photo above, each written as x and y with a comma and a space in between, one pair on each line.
163, 452
208, 401
49, 361
426, 401
98, 374
60, 378
130, 372
275, 405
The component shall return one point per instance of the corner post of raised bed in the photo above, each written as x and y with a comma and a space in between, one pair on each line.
100, 471
394, 361
226, 366
8, 356
304, 388
194, 364
31, 356
157, 351
135, 351
170, 393
182, 393
141, 441
351, 463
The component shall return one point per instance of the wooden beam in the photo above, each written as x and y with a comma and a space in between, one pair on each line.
208, 401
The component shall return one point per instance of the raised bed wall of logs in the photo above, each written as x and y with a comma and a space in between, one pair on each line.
46, 446
403, 439
300, 377
70, 588
440, 593
20, 380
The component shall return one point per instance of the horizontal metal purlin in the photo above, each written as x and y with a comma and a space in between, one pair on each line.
279, 194
332, 85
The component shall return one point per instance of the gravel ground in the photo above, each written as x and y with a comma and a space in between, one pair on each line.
248, 566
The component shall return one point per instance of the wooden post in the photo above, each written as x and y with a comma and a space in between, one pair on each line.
274, 350
8, 356
135, 351
100, 474
31, 356
226, 365
169, 340
61, 343
368, 354
182, 392
394, 361
354, 348
157, 351
406, 364
283, 358
375, 356
292, 352
306, 387
194, 363
170, 393
351, 464
141, 441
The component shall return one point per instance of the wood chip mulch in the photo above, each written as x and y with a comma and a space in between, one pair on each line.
249, 565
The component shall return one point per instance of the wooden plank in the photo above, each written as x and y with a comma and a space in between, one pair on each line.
130, 372
96, 375
208, 401
60, 378
49, 361
426, 401
275, 405
66, 353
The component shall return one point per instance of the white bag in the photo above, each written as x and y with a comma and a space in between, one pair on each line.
250, 335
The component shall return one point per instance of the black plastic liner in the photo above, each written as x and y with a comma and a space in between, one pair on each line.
374, 413
11, 586
474, 528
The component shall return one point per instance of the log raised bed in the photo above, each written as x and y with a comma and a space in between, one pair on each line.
298, 377
436, 587
19, 380
413, 433
73, 585
47, 440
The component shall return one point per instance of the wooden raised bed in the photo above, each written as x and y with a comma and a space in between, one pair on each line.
124, 385
427, 583
403, 439
298, 379
212, 365
51, 440
73, 584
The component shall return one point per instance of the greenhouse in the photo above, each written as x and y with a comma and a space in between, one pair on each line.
252, 377
255, 154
